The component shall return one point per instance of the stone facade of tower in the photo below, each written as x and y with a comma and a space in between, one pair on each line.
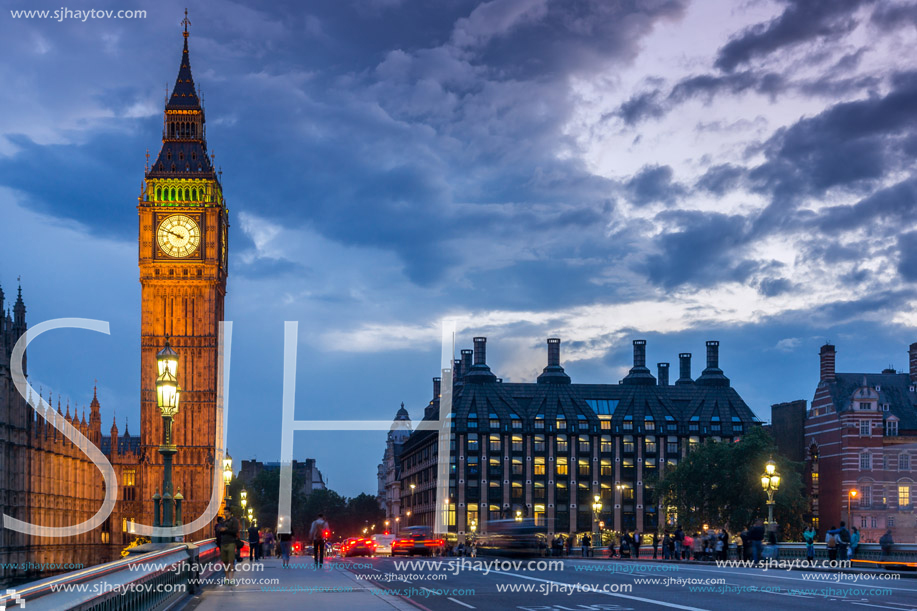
183, 249
46, 479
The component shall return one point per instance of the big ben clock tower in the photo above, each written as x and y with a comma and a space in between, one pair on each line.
183, 248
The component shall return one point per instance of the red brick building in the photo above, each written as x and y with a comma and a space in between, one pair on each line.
861, 440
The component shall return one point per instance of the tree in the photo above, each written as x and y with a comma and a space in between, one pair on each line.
719, 484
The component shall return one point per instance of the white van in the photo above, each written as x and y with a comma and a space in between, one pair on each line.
383, 544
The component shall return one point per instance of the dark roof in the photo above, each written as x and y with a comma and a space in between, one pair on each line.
184, 95
894, 390
183, 159
480, 396
126, 444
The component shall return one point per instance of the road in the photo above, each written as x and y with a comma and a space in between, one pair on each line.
458, 584
585, 584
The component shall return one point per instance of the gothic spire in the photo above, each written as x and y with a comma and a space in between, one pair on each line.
184, 95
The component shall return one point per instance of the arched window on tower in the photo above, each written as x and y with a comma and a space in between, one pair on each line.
158, 194
194, 194
187, 194
172, 195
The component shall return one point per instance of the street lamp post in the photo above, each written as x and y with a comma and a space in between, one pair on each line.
412, 502
243, 499
619, 513
850, 496
167, 397
474, 531
227, 479
770, 482
596, 512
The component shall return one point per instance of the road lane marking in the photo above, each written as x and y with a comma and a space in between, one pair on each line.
460, 602
768, 575
615, 594
853, 602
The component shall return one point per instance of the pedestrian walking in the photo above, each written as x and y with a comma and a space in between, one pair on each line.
756, 538
809, 537
854, 542
745, 552
843, 540
568, 545
317, 534
679, 543
637, 541
285, 539
831, 543
586, 543
227, 535
655, 544
885, 544
254, 543
267, 543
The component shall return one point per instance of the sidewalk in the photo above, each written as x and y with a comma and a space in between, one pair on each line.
302, 586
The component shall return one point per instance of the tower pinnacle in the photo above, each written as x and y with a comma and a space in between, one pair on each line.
186, 22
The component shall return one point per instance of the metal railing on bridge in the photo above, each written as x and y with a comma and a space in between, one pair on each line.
150, 581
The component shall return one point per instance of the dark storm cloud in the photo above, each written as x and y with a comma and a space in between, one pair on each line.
87, 182
558, 38
641, 106
890, 16
895, 203
907, 263
802, 21
849, 145
653, 184
708, 86
704, 250
720, 179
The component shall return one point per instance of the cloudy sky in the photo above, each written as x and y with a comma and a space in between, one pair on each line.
598, 170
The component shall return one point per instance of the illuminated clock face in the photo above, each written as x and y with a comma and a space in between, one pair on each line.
179, 235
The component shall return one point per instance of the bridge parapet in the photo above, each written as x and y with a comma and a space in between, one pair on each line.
152, 581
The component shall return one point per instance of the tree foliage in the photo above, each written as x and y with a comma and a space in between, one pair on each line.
719, 483
346, 516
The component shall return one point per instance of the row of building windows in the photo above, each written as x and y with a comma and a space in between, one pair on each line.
180, 194
878, 462
874, 496
890, 428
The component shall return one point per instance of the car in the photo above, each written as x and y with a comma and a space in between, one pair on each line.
418, 540
383, 543
358, 546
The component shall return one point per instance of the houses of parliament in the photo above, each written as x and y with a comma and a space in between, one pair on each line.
182, 255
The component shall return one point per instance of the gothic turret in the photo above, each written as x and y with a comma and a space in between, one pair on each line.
183, 154
95, 419
19, 315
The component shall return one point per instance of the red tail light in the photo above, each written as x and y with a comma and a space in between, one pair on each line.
326, 534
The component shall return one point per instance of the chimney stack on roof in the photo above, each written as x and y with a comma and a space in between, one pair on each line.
684, 369
553, 352
466, 360
663, 377
639, 353
480, 351
912, 358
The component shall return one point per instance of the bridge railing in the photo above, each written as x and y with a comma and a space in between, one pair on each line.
151, 581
